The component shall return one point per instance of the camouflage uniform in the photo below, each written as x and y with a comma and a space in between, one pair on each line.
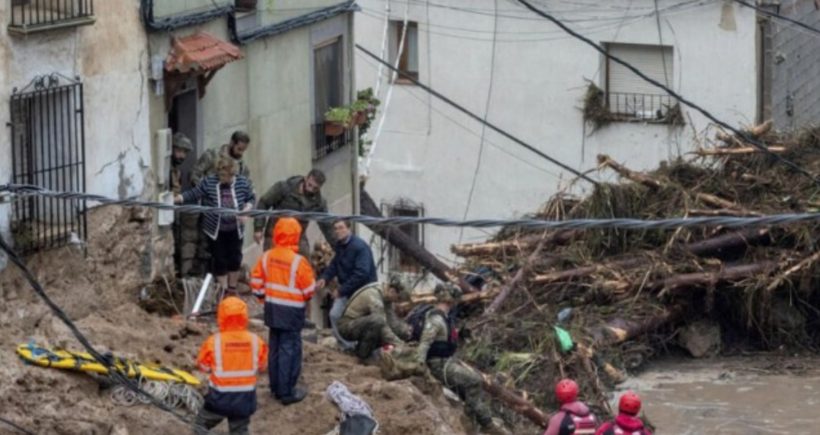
196, 255
452, 374
285, 195
371, 322
183, 264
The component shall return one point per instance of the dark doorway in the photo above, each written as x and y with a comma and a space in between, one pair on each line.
183, 118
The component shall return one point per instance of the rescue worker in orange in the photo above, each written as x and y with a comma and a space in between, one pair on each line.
232, 357
283, 281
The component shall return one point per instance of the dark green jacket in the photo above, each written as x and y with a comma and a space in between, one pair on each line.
285, 195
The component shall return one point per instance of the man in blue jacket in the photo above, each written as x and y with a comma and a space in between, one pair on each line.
353, 266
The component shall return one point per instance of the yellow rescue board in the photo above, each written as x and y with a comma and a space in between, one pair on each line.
84, 362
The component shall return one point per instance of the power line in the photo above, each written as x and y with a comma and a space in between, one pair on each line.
752, 141
779, 16
537, 224
114, 372
477, 118
16, 426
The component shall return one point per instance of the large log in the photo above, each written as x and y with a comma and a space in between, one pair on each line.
410, 247
623, 171
512, 246
714, 246
515, 402
731, 273
619, 330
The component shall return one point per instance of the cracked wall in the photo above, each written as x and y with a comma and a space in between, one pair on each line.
110, 58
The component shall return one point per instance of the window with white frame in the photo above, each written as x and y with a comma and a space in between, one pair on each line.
628, 96
399, 261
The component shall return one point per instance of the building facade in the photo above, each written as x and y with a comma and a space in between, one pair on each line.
525, 75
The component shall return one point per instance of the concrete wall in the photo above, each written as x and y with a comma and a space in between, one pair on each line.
110, 58
166, 8
534, 82
796, 66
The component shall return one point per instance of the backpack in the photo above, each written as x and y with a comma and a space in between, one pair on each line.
416, 320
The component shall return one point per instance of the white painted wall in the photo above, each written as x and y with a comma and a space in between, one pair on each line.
428, 152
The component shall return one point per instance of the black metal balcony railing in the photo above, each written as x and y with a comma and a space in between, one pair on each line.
324, 145
47, 13
639, 106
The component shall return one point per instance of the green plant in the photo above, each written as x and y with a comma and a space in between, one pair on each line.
341, 115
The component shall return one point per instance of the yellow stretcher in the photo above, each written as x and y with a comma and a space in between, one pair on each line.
84, 362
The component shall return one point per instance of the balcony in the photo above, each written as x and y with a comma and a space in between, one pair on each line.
33, 16
325, 144
649, 108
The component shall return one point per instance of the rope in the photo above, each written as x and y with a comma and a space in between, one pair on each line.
349, 404
537, 224
170, 394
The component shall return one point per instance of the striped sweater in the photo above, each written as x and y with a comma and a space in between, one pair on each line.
207, 191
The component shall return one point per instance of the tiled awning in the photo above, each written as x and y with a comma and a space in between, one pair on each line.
200, 53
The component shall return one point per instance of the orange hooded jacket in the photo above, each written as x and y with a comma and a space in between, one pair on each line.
283, 279
233, 357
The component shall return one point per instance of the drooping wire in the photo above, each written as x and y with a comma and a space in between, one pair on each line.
744, 136
114, 372
478, 118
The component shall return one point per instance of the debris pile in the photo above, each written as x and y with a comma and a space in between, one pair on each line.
626, 294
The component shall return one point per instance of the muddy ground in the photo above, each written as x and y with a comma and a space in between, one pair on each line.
100, 292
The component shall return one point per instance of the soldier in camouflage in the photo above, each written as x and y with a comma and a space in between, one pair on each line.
437, 347
297, 193
369, 318
181, 146
195, 250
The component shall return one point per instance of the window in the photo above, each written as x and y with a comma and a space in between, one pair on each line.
399, 261
31, 16
630, 97
329, 92
48, 150
409, 61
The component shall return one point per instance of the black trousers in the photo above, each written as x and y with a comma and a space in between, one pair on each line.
226, 252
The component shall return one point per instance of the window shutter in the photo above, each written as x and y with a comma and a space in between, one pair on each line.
649, 59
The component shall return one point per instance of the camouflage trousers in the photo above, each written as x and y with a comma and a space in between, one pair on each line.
369, 332
192, 251
467, 384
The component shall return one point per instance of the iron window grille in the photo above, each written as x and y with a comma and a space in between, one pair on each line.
29, 16
640, 106
48, 150
398, 260
325, 144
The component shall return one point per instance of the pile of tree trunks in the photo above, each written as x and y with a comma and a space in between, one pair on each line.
621, 294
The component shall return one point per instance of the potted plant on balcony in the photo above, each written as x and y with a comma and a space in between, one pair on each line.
337, 119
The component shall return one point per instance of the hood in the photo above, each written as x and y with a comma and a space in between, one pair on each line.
232, 314
578, 408
629, 422
286, 233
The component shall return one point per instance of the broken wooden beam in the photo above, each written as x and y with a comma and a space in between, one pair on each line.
514, 246
519, 404
408, 246
737, 151
519, 276
623, 171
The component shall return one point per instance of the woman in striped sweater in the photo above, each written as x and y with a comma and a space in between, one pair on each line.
225, 189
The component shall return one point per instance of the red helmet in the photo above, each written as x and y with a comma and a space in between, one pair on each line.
566, 391
630, 403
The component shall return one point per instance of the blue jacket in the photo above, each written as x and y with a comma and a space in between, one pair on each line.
353, 265
207, 191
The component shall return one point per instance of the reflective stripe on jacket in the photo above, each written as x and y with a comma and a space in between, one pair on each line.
283, 279
232, 357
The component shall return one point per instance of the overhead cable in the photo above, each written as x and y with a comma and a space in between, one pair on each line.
538, 224
478, 118
772, 14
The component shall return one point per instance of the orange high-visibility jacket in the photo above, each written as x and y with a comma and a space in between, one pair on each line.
284, 279
233, 357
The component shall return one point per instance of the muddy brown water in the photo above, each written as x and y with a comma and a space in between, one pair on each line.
743, 396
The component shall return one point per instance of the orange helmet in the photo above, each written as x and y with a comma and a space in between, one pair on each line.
566, 391
630, 403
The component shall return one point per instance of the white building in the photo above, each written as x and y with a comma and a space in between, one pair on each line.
528, 77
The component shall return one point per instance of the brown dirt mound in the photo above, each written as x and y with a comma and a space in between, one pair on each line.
100, 293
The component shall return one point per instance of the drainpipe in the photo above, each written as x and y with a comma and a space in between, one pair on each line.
354, 157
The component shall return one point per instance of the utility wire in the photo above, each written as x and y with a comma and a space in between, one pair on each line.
16, 426
114, 372
477, 118
538, 224
747, 138
779, 16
